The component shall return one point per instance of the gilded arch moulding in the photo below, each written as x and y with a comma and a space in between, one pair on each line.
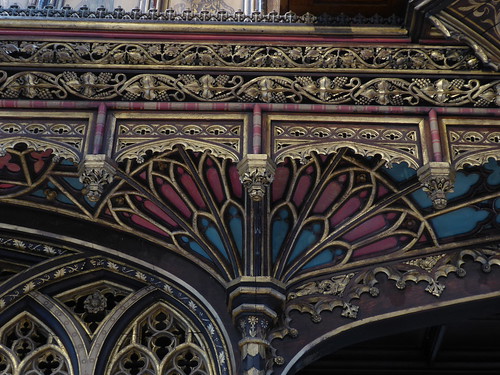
138, 152
190, 303
390, 156
477, 158
59, 151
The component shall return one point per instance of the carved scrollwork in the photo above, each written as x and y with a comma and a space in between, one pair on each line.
91, 86
240, 55
267, 89
32, 85
199, 12
315, 297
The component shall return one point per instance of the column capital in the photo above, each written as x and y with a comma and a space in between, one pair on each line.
437, 179
256, 174
95, 172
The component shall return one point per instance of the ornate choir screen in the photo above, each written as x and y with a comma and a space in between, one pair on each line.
346, 199
179, 199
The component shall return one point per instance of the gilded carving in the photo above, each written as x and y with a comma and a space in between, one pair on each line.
473, 147
160, 341
391, 157
96, 171
32, 85
479, 157
138, 152
426, 263
32, 348
256, 174
242, 56
434, 269
59, 151
211, 15
267, 89
437, 179
478, 44
334, 286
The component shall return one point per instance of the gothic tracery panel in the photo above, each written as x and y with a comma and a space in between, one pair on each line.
159, 342
28, 347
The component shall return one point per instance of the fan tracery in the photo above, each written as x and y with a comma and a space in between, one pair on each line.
337, 209
182, 198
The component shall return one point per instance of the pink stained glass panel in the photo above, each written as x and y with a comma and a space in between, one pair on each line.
173, 197
160, 213
372, 225
346, 210
147, 225
6, 163
235, 181
192, 190
215, 184
302, 187
376, 247
382, 191
329, 195
41, 159
280, 183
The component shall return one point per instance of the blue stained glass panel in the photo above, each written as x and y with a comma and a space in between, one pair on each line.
400, 172
463, 184
307, 237
421, 198
494, 167
497, 206
236, 228
214, 237
280, 228
325, 257
458, 222
195, 247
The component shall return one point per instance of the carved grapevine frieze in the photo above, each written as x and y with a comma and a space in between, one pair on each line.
267, 89
241, 56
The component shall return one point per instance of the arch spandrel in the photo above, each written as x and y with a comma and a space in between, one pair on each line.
390, 299
88, 344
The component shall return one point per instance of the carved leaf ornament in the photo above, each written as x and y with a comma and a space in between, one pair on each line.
266, 89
